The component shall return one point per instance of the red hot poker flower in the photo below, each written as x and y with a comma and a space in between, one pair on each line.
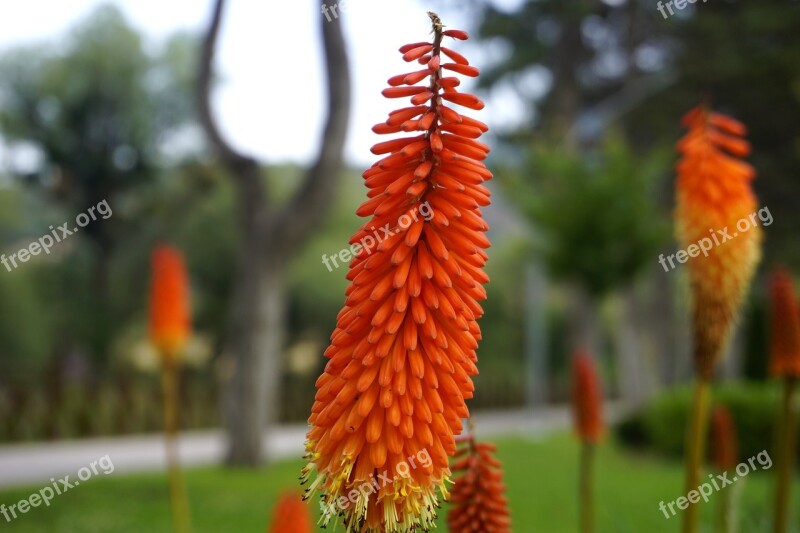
587, 399
784, 326
170, 321
403, 350
291, 515
477, 499
724, 444
713, 196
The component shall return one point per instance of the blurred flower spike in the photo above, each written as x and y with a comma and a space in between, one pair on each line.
587, 397
713, 194
291, 515
724, 444
170, 322
784, 326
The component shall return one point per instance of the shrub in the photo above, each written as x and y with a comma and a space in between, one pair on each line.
660, 426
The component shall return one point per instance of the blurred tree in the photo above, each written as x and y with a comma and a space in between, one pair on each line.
576, 64
576, 67
745, 58
580, 66
91, 113
271, 235
25, 325
596, 214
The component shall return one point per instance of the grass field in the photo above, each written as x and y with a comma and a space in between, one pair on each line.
541, 478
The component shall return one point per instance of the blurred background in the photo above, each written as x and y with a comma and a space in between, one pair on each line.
118, 102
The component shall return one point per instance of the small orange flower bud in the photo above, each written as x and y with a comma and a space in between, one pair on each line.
291, 515
784, 326
587, 398
170, 322
724, 444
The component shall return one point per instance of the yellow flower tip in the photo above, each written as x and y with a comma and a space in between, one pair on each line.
391, 504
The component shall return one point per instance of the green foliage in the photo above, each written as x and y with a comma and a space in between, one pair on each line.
95, 108
579, 53
317, 293
127, 404
622, 62
25, 328
500, 354
753, 407
598, 214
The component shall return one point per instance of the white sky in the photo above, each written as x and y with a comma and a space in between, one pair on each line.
271, 100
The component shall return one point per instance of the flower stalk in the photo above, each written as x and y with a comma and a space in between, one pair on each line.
725, 457
787, 450
169, 332
713, 192
784, 365
695, 447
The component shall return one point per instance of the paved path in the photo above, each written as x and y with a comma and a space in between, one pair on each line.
35, 464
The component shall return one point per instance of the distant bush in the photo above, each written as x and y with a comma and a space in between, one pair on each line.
660, 427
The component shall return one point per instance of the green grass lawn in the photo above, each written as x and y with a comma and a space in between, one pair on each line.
541, 478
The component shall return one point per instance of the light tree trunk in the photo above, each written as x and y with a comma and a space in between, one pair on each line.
537, 391
583, 321
257, 339
636, 364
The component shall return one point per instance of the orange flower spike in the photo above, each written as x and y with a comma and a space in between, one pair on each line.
170, 322
784, 326
724, 444
713, 195
291, 515
587, 399
477, 500
403, 351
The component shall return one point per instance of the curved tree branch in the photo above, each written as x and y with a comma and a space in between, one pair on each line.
242, 166
297, 219
311, 201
